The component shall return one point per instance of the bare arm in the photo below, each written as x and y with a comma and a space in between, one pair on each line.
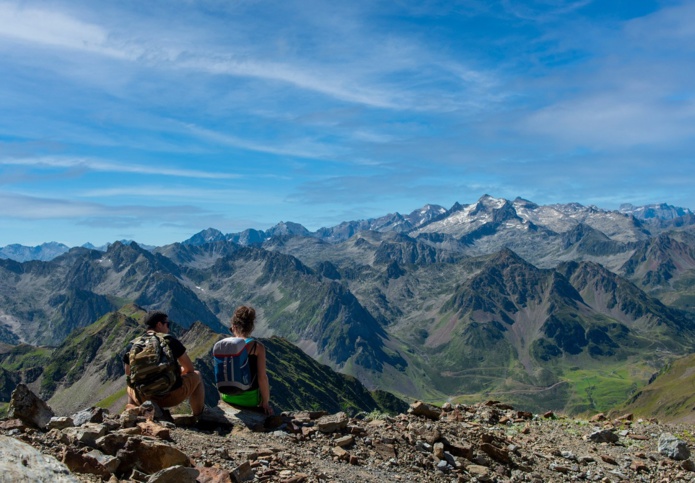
263, 385
186, 364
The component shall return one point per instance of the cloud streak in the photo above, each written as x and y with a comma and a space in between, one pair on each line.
55, 29
90, 164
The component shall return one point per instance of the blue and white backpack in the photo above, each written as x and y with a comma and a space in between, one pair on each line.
234, 369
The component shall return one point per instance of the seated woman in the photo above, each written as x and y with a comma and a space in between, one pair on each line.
248, 370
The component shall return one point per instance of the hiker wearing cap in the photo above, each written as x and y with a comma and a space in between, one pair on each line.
158, 368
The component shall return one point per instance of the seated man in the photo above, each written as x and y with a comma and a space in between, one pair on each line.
166, 390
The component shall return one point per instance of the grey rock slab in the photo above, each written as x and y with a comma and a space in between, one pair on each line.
91, 415
21, 462
673, 447
175, 474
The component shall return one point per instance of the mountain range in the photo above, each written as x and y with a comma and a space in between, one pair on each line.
559, 306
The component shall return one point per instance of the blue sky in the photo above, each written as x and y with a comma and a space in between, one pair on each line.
154, 120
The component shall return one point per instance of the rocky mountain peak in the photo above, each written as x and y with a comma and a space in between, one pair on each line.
209, 235
506, 258
287, 228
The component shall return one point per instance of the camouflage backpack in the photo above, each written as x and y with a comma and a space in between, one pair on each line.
153, 367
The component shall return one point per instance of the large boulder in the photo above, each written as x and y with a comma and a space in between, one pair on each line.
673, 447
21, 462
28, 407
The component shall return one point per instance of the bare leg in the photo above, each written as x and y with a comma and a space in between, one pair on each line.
132, 403
197, 399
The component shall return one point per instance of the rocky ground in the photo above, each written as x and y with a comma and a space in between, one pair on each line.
483, 442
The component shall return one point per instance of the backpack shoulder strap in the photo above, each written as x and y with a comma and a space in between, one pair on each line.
252, 350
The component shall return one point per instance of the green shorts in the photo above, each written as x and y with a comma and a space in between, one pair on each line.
250, 398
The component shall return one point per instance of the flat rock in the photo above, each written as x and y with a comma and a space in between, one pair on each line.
60, 422
91, 415
477, 470
175, 474
333, 423
226, 415
11, 424
213, 475
419, 408
87, 434
345, 441
151, 428
597, 418
339, 452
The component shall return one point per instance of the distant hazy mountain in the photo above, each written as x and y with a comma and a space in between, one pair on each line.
45, 251
660, 211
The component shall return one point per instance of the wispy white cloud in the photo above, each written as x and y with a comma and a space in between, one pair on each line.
214, 196
53, 28
40, 208
37, 208
543, 10
92, 164
302, 76
301, 148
